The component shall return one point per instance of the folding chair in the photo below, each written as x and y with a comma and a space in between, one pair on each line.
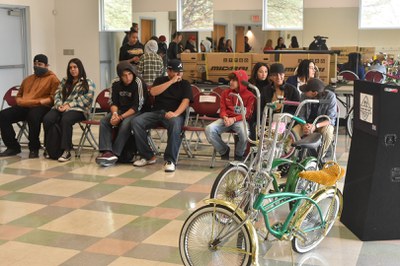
103, 101
348, 75
220, 89
9, 98
374, 76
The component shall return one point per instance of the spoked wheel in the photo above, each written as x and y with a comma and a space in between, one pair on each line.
306, 185
349, 123
199, 243
288, 149
231, 184
329, 203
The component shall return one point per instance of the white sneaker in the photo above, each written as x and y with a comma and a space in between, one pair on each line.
169, 166
65, 157
144, 162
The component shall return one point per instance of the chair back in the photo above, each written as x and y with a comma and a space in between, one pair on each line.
206, 103
219, 89
9, 97
195, 90
103, 100
374, 76
348, 75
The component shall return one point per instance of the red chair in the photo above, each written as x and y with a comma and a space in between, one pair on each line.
103, 102
375, 76
9, 98
348, 75
220, 89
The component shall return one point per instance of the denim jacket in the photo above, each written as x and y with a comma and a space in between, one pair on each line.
329, 108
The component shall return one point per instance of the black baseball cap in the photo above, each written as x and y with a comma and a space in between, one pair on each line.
41, 58
276, 68
175, 65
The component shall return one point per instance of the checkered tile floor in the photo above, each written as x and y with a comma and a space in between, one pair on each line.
77, 213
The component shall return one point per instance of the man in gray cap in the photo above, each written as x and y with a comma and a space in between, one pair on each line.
34, 99
315, 89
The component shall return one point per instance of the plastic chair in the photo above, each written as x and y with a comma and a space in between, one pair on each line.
9, 98
348, 75
375, 76
103, 101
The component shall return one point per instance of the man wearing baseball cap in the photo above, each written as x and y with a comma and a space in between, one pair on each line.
172, 96
34, 99
315, 89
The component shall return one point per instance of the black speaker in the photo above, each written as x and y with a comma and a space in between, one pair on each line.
371, 207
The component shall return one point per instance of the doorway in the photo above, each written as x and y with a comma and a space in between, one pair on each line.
147, 27
239, 30
13, 49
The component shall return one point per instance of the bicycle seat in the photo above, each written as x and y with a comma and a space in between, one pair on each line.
328, 176
312, 141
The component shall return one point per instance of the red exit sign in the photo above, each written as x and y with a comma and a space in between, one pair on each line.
255, 18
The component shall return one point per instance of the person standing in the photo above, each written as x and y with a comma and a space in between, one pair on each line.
280, 44
34, 99
191, 44
128, 96
72, 103
174, 52
150, 64
231, 117
247, 47
134, 27
133, 50
172, 97
228, 46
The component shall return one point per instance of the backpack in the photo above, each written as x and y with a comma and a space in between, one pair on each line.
53, 142
129, 151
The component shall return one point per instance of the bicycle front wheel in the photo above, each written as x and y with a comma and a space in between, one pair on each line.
349, 123
198, 241
231, 184
329, 204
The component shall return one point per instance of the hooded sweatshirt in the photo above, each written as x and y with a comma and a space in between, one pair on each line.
207, 45
35, 88
228, 102
132, 95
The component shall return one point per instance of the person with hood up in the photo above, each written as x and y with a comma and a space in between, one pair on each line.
231, 117
128, 97
34, 100
150, 64
205, 46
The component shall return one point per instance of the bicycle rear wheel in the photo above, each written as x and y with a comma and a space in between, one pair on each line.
329, 203
203, 227
303, 184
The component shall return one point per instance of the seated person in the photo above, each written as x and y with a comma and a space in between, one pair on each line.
278, 88
378, 66
128, 96
355, 65
305, 71
231, 117
172, 97
34, 100
72, 103
315, 89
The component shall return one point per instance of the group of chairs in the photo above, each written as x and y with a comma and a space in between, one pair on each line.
371, 75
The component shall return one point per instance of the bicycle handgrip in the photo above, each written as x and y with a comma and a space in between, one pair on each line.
299, 120
293, 103
324, 101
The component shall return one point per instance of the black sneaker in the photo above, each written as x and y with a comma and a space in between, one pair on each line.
10, 152
65, 157
45, 154
33, 154
225, 156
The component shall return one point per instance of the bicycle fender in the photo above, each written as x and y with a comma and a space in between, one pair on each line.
307, 161
237, 163
233, 207
279, 161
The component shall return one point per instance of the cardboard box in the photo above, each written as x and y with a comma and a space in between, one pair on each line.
189, 57
263, 58
221, 64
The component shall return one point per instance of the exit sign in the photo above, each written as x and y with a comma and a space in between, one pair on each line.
255, 18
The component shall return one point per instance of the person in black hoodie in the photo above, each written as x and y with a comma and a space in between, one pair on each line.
133, 50
128, 97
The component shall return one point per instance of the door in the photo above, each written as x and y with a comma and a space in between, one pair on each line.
13, 48
239, 39
219, 31
146, 30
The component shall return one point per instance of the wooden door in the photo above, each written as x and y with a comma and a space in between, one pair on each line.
239, 39
219, 31
146, 30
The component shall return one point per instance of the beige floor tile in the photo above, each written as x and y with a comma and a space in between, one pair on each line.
89, 223
179, 176
16, 253
140, 196
58, 187
96, 170
113, 247
35, 164
11, 210
124, 261
6, 178
166, 236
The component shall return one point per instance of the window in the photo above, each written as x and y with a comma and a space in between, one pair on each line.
116, 15
195, 15
282, 15
378, 14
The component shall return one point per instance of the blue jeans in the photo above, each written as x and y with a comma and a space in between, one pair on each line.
106, 132
213, 134
142, 123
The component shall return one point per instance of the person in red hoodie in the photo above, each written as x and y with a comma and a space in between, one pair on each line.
231, 118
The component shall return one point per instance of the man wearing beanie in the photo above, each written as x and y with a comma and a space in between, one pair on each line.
172, 96
150, 64
34, 99
315, 89
231, 117
128, 97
